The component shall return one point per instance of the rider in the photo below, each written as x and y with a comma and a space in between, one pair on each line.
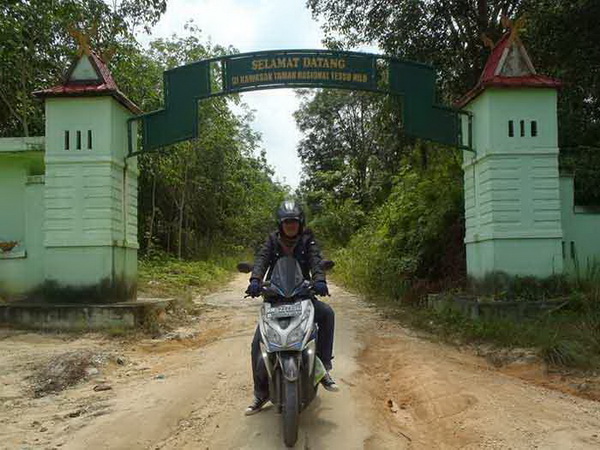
292, 238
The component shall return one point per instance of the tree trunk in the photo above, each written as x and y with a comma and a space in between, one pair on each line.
15, 114
482, 16
24, 121
181, 212
186, 235
152, 215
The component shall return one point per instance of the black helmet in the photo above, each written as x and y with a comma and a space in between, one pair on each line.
289, 209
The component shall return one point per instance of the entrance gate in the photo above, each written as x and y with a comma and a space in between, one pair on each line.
184, 86
84, 201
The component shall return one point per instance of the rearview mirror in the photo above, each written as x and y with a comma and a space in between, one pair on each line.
327, 264
245, 267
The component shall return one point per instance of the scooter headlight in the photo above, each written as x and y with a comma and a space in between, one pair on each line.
296, 335
273, 336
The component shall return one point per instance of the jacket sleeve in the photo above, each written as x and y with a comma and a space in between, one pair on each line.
263, 259
314, 259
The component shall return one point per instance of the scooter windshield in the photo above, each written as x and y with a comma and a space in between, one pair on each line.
287, 276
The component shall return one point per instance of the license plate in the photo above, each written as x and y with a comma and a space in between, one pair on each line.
280, 311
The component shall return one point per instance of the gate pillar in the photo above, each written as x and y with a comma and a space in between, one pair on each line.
90, 222
511, 180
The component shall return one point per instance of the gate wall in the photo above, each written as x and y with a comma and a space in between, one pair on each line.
21, 213
581, 231
70, 200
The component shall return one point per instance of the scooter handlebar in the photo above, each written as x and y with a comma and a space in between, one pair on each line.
264, 288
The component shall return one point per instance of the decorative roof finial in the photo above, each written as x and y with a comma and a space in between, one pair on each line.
515, 27
82, 38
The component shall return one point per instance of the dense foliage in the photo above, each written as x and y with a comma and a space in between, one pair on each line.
443, 33
393, 204
561, 37
213, 194
413, 240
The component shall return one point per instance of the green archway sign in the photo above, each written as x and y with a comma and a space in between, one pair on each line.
184, 86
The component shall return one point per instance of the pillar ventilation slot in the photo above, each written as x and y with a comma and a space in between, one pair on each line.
67, 140
89, 140
534, 130
78, 140
522, 124
511, 128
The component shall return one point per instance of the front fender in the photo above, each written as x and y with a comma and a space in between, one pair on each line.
289, 366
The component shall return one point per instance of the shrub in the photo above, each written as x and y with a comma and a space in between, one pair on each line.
501, 286
338, 222
414, 238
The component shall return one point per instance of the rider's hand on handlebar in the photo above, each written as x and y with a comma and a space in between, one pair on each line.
320, 288
254, 288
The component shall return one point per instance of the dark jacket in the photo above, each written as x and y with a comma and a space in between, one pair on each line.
306, 252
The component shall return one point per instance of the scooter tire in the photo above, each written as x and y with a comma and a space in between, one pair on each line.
291, 412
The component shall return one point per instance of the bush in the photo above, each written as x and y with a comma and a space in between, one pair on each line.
338, 222
413, 239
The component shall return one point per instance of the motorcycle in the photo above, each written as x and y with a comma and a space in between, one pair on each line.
289, 341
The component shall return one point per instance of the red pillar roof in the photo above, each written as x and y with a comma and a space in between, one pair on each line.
508, 66
103, 85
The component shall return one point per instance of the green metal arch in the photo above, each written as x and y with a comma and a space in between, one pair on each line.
186, 85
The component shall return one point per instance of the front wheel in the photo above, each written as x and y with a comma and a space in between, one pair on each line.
291, 412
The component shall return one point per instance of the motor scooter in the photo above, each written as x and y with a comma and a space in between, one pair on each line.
289, 341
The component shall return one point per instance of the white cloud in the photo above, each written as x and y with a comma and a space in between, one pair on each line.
252, 25
273, 118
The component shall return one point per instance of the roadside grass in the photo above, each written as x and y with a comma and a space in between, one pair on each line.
568, 337
162, 275
565, 339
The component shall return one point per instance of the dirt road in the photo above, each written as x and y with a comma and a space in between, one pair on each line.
189, 390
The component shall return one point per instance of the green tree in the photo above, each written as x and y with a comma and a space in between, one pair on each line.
415, 238
338, 141
36, 46
561, 38
444, 33
210, 194
351, 148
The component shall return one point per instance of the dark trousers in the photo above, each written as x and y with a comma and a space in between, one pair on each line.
325, 318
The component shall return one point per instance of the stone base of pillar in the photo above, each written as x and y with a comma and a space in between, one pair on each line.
103, 274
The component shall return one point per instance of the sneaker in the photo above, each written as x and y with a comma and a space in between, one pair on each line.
329, 383
256, 406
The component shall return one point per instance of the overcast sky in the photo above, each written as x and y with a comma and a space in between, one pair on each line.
251, 25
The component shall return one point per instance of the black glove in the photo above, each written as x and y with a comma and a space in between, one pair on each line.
320, 288
254, 288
